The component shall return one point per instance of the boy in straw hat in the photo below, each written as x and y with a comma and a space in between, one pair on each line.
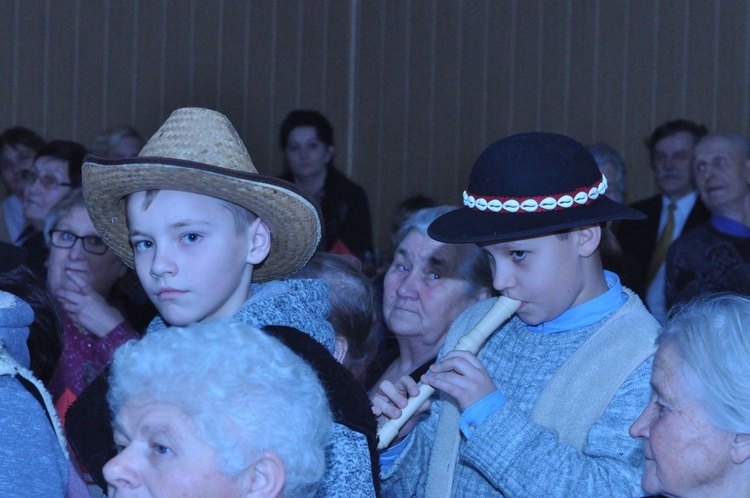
209, 237
545, 408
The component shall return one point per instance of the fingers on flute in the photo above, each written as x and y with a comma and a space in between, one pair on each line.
461, 375
389, 399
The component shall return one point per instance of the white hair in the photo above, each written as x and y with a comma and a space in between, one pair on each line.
711, 334
245, 391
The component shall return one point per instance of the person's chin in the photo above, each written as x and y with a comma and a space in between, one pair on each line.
649, 482
176, 316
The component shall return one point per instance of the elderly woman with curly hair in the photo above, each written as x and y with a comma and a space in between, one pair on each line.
215, 409
696, 428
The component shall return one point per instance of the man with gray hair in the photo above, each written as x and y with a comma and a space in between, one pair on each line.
715, 256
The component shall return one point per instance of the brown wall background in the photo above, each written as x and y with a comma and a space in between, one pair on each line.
415, 89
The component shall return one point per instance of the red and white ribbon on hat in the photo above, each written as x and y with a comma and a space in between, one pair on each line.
578, 197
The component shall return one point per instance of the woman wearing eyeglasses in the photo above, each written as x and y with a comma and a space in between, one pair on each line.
55, 172
82, 273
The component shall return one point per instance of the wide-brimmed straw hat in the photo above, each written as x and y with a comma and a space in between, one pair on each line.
199, 151
527, 185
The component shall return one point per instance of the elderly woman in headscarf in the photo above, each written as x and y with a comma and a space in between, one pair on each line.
426, 287
696, 428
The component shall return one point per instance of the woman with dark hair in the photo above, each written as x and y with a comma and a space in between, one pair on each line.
306, 139
56, 171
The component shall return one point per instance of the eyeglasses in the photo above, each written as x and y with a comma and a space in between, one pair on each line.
65, 240
49, 182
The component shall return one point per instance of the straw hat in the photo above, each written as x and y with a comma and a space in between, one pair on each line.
199, 151
527, 185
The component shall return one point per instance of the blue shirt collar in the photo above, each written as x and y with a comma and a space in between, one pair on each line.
589, 312
730, 227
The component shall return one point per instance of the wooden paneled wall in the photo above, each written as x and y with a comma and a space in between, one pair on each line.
415, 89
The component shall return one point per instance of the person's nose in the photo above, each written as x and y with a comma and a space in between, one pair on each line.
76, 252
640, 428
162, 264
502, 278
121, 472
409, 286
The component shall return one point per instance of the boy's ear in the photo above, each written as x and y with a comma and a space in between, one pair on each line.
589, 237
259, 242
266, 478
340, 348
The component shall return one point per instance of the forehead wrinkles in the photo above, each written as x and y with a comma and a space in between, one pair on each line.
717, 148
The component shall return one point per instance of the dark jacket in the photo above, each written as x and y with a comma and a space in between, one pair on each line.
346, 213
638, 238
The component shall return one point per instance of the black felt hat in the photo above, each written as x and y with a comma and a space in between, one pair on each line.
527, 185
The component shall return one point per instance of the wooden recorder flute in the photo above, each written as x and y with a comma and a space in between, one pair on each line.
472, 342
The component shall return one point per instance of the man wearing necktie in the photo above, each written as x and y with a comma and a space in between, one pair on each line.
675, 209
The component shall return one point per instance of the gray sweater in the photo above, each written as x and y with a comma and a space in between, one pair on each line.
33, 462
303, 304
508, 455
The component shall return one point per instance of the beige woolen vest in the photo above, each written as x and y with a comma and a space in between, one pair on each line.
574, 398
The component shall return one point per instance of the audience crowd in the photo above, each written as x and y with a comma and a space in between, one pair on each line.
200, 329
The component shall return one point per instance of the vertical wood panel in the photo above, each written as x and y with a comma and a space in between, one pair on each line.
149, 110
640, 118
8, 59
610, 101
498, 29
205, 61
527, 67
369, 108
553, 74
260, 139
421, 108
700, 64
91, 97
415, 89
670, 64
447, 118
473, 102
177, 51
394, 116
231, 89
732, 56
311, 55
119, 87
60, 63
327, 89
582, 84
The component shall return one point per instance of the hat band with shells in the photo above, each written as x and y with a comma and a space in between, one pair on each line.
578, 197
